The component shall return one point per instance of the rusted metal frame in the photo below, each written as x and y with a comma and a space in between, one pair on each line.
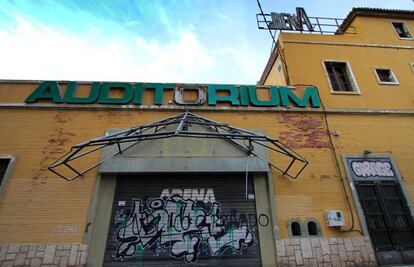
282, 151
71, 153
61, 158
293, 155
315, 21
87, 144
70, 167
299, 157
289, 166
183, 120
249, 151
108, 141
115, 154
140, 128
259, 22
196, 120
230, 134
304, 166
220, 134
319, 26
230, 127
115, 139
58, 174
116, 136
87, 152
100, 162
236, 144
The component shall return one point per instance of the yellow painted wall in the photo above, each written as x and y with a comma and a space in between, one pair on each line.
375, 45
37, 206
305, 53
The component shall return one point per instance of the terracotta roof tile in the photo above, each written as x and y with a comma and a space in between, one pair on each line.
374, 12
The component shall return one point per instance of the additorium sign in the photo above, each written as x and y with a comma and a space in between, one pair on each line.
236, 95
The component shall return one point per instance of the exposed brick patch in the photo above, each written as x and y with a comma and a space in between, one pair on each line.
303, 131
325, 252
43, 255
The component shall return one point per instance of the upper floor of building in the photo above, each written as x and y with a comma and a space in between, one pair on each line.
369, 64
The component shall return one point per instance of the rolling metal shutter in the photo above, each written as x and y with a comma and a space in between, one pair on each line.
181, 219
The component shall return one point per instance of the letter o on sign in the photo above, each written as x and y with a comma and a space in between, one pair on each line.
180, 90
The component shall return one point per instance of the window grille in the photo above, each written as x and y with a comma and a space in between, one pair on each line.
338, 76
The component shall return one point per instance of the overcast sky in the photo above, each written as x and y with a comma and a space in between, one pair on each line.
185, 41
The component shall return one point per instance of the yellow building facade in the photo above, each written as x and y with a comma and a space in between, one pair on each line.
199, 187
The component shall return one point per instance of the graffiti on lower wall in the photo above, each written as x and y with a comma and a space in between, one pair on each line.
182, 227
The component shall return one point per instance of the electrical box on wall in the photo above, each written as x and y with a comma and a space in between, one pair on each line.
335, 218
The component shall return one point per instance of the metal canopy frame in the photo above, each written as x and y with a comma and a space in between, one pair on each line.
126, 139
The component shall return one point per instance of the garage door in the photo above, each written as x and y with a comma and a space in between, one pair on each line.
176, 220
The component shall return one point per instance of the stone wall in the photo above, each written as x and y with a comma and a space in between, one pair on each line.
355, 251
43, 255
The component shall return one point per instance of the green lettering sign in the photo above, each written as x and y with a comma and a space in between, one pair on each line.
138, 93
233, 96
243, 95
48, 90
104, 98
159, 91
70, 93
272, 102
310, 96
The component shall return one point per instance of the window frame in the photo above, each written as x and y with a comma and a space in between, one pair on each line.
351, 77
7, 173
318, 227
289, 226
405, 27
396, 82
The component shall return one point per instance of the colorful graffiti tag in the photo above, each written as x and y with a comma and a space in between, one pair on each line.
182, 227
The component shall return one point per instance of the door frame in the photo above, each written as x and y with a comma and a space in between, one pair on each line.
101, 211
357, 202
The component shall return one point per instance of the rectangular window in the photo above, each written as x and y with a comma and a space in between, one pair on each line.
386, 76
401, 30
340, 77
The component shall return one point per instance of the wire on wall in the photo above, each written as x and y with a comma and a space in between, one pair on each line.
283, 59
337, 167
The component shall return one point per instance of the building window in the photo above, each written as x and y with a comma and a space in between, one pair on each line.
340, 77
401, 30
6, 163
295, 228
313, 227
296, 231
385, 76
